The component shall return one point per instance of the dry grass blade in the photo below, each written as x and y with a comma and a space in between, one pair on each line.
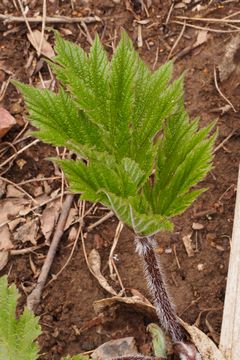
219, 90
206, 28
212, 20
43, 26
177, 41
115, 241
19, 152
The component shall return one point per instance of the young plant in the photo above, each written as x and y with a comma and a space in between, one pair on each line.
16, 335
138, 152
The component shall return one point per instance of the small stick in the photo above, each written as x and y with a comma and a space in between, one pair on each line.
55, 276
26, 250
34, 298
219, 90
230, 332
100, 221
223, 142
205, 28
50, 20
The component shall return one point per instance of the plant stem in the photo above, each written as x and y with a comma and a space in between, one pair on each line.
145, 248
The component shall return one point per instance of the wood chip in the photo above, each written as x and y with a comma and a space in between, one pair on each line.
187, 242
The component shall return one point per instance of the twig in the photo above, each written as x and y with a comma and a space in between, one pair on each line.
223, 142
100, 221
34, 298
55, 276
88, 36
206, 28
50, 20
26, 250
220, 92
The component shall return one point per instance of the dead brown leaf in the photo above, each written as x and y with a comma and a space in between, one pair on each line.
206, 347
49, 218
27, 232
133, 302
72, 217
202, 36
13, 192
95, 265
35, 40
9, 207
6, 121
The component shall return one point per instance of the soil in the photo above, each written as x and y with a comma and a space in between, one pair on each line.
197, 284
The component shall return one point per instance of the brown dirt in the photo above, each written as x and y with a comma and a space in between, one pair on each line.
197, 284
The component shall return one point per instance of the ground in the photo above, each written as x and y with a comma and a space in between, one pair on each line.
196, 284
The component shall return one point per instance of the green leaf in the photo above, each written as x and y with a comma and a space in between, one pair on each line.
17, 336
138, 152
142, 224
158, 340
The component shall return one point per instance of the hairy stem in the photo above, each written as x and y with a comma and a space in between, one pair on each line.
145, 248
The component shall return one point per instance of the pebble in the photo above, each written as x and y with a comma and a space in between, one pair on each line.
197, 226
200, 267
115, 348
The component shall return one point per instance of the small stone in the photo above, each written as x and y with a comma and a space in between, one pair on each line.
197, 226
200, 267
168, 251
115, 348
